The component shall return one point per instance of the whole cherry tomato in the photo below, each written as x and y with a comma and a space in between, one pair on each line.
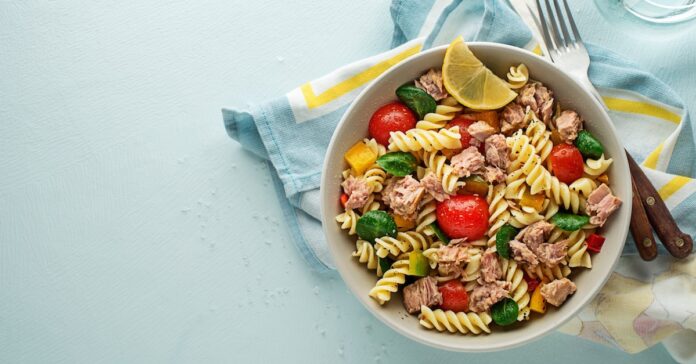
566, 163
393, 116
454, 296
463, 216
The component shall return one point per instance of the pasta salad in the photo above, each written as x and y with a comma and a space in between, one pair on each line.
479, 213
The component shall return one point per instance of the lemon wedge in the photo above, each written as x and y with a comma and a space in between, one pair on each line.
470, 82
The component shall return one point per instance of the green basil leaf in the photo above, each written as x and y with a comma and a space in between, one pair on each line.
505, 312
419, 101
569, 222
588, 145
398, 163
439, 233
375, 224
502, 240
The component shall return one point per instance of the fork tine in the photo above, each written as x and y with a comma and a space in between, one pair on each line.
561, 20
550, 45
554, 27
573, 27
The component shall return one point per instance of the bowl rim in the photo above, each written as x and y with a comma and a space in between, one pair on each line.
620, 160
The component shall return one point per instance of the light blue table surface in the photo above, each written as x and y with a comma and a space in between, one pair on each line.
133, 230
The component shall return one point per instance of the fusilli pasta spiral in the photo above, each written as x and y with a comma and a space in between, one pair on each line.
437, 163
348, 220
547, 273
428, 140
390, 281
439, 118
426, 215
584, 186
365, 253
562, 195
595, 167
578, 256
539, 136
518, 76
498, 210
518, 287
465, 323
403, 243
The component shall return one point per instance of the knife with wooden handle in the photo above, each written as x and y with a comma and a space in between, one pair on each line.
640, 228
677, 242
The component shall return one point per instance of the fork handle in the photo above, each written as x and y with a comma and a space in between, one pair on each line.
677, 242
584, 80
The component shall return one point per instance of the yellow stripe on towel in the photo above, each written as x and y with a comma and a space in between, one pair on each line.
537, 50
673, 186
653, 157
638, 107
353, 82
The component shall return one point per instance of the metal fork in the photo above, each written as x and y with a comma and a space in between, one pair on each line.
570, 54
565, 50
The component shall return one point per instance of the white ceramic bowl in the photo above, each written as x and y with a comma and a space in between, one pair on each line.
353, 127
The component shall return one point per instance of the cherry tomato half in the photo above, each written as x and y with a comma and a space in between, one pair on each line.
463, 124
463, 216
394, 116
454, 296
566, 163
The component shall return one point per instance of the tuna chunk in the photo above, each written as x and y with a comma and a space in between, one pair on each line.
538, 99
535, 234
494, 175
568, 125
600, 204
358, 192
526, 98
543, 96
512, 119
546, 112
551, 254
480, 130
483, 297
522, 253
490, 269
451, 258
469, 161
557, 291
431, 82
422, 292
403, 196
433, 186
497, 151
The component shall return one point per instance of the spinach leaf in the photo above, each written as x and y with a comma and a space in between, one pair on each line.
505, 312
398, 163
416, 99
375, 224
569, 222
502, 240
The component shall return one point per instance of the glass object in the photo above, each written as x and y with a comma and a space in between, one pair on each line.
653, 11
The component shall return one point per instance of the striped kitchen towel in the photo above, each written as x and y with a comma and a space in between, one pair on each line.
642, 304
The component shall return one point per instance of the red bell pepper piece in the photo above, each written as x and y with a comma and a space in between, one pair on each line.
594, 243
532, 283
344, 199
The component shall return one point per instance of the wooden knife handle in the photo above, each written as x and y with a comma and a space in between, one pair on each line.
640, 228
677, 243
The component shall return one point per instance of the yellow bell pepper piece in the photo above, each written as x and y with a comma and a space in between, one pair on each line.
475, 185
537, 302
603, 178
534, 201
360, 157
403, 224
